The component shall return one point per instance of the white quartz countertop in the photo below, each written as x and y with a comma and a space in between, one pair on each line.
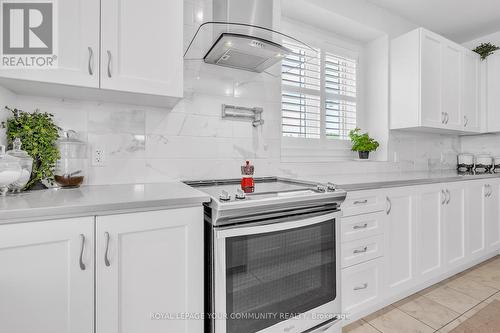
366, 181
97, 200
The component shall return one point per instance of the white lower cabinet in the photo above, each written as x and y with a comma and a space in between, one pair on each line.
362, 285
454, 224
147, 274
492, 216
429, 230
149, 264
400, 240
47, 276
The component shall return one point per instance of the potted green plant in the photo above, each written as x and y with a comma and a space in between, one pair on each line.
39, 134
362, 143
486, 49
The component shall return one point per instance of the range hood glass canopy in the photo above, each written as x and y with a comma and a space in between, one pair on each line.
243, 46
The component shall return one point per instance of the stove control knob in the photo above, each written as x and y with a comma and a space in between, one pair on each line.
331, 187
240, 194
224, 196
321, 188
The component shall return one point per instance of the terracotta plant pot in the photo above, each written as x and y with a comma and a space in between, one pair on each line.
363, 155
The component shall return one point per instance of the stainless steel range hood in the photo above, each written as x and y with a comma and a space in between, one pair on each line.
241, 36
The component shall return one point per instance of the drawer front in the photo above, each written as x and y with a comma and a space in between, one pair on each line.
361, 286
362, 250
364, 202
362, 226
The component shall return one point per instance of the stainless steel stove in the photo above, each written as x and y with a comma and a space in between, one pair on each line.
272, 256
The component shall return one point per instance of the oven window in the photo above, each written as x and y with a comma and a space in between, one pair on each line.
272, 277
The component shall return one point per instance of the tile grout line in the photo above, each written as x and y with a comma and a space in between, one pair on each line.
376, 329
421, 320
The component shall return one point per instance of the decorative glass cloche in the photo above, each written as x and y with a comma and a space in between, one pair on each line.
26, 162
71, 168
10, 170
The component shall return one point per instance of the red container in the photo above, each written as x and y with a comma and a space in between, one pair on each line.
247, 182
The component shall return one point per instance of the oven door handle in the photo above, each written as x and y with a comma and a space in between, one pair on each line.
262, 228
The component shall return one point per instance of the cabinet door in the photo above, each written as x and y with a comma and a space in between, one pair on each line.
45, 286
470, 96
400, 244
492, 216
431, 76
476, 193
493, 92
149, 264
142, 46
451, 62
454, 224
77, 34
429, 231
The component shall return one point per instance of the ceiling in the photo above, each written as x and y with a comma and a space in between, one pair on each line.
459, 20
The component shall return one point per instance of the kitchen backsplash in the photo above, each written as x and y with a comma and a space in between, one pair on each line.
191, 141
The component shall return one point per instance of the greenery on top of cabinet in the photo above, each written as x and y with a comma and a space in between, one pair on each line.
485, 50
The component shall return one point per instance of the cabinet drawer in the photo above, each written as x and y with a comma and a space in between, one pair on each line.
361, 286
362, 226
364, 202
362, 250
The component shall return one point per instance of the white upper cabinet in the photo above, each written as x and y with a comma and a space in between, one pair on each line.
142, 46
429, 77
493, 93
127, 51
78, 47
471, 111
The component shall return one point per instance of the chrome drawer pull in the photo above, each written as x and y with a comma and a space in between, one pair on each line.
109, 63
82, 265
106, 260
364, 286
363, 250
364, 226
389, 205
91, 61
360, 202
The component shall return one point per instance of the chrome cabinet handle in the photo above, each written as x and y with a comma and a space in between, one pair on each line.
106, 260
389, 205
466, 121
360, 202
363, 250
82, 265
109, 64
489, 192
447, 117
91, 61
364, 286
443, 118
449, 196
443, 193
486, 191
364, 226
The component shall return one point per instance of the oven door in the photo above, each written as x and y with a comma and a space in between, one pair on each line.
277, 276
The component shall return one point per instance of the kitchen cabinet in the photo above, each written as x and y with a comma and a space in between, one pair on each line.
142, 46
400, 240
77, 53
476, 196
116, 50
428, 77
453, 197
493, 93
471, 92
47, 276
429, 231
149, 263
492, 216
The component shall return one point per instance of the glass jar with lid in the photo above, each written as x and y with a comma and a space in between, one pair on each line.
26, 162
10, 170
71, 168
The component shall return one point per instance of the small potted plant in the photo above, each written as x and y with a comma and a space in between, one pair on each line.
362, 143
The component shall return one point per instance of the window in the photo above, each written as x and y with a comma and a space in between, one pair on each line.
318, 94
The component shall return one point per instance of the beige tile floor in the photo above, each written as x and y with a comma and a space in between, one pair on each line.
439, 308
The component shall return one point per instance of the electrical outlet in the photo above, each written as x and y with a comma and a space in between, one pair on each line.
99, 157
